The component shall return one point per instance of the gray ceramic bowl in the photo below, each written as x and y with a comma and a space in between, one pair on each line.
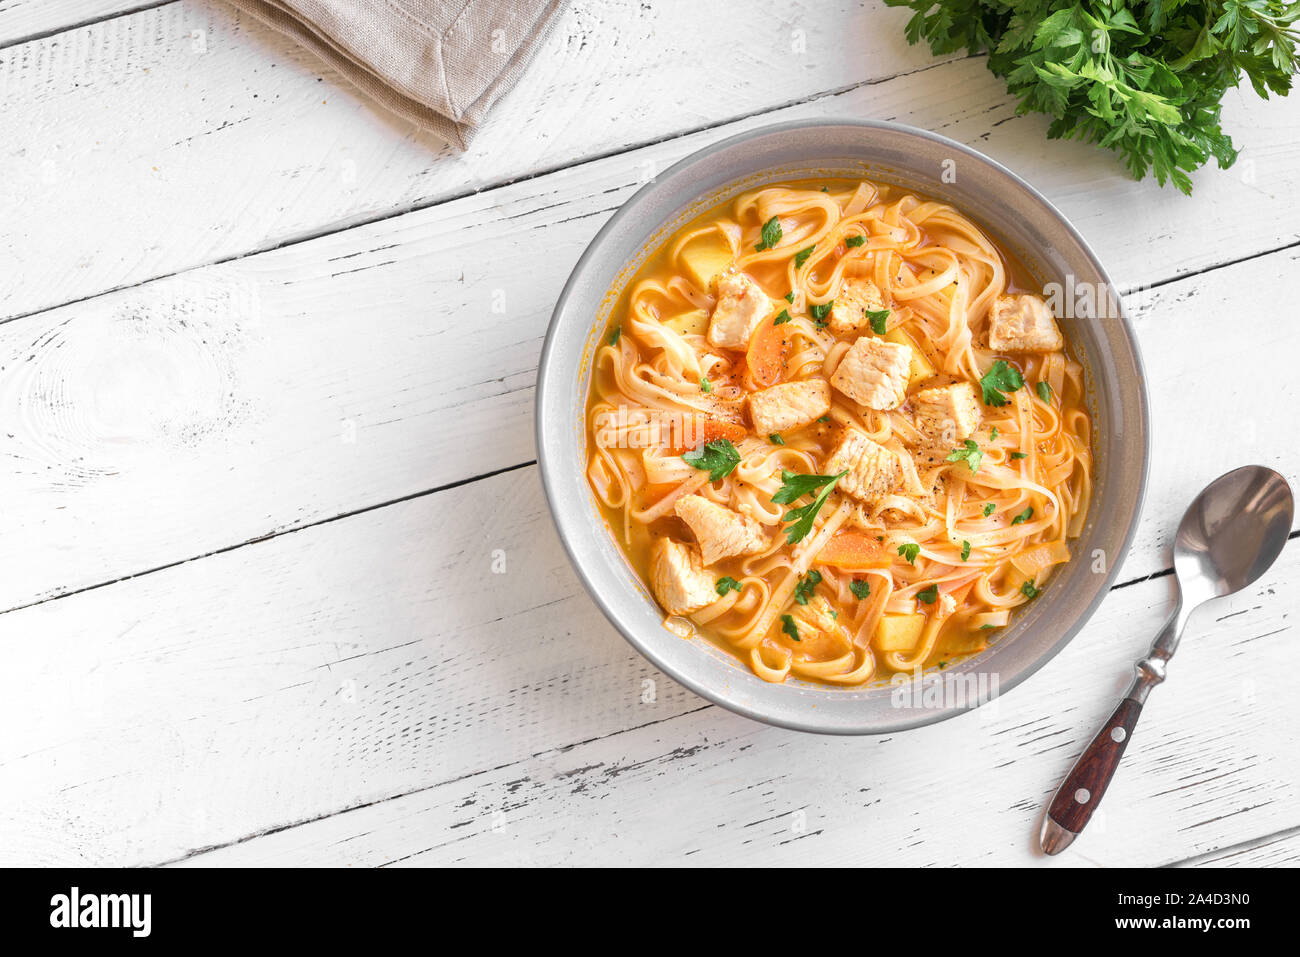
1025, 224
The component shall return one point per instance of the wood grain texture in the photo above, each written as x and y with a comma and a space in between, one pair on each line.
379, 656
1273, 850
188, 134
22, 21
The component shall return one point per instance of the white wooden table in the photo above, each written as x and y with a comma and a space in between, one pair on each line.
266, 373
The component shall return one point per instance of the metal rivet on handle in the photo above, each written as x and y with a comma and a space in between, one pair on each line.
1081, 796
1118, 734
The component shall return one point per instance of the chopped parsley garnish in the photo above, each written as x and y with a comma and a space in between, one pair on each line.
860, 588
999, 379
783, 318
928, 595
819, 313
965, 550
988, 509
970, 453
775, 439
987, 627
789, 296
615, 335
802, 255
770, 234
879, 318
910, 551
942, 665
803, 591
1029, 591
1019, 455
1024, 516
1045, 392
789, 627
794, 486
853, 242
993, 434
704, 386
726, 583
717, 458
824, 418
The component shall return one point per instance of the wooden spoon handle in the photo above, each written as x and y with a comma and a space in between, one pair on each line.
1082, 790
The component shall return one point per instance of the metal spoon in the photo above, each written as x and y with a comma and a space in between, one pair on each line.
1229, 536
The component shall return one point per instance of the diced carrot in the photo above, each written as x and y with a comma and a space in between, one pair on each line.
704, 429
768, 354
855, 551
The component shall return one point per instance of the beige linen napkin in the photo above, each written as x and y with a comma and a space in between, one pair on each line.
439, 63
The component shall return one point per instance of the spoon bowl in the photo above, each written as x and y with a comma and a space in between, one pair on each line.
1232, 532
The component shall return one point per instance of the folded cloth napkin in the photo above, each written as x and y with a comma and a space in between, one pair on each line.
439, 63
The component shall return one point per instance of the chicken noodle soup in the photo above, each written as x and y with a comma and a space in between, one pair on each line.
836, 434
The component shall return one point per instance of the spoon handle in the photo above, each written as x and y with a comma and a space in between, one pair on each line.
1082, 789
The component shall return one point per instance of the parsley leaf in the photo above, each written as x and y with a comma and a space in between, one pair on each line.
615, 335
1029, 591
802, 255
993, 434
988, 509
860, 588
1002, 377
910, 551
718, 458
1023, 517
770, 234
971, 454
783, 318
726, 583
705, 386
1045, 392
1142, 79
789, 627
775, 439
789, 296
819, 313
928, 595
965, 550
879, 319
792, 488
853, 242
804, 589
1019, 455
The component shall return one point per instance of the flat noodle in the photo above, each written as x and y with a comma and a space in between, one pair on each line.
660, 387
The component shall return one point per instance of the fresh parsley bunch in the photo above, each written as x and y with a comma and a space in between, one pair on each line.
1141, 77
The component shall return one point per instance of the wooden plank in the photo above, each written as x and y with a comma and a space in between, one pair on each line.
1275, 850
380, 655
188, 133
22, 21
198, 412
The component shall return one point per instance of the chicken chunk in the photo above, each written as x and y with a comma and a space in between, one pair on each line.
820, 634
849, 313
874, 373
1023, 324
946, 416
720, 531
678, 578
741, 306
874, 471
790, 405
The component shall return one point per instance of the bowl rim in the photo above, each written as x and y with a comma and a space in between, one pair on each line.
646, 648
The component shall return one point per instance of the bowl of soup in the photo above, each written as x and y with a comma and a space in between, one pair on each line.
843, 426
